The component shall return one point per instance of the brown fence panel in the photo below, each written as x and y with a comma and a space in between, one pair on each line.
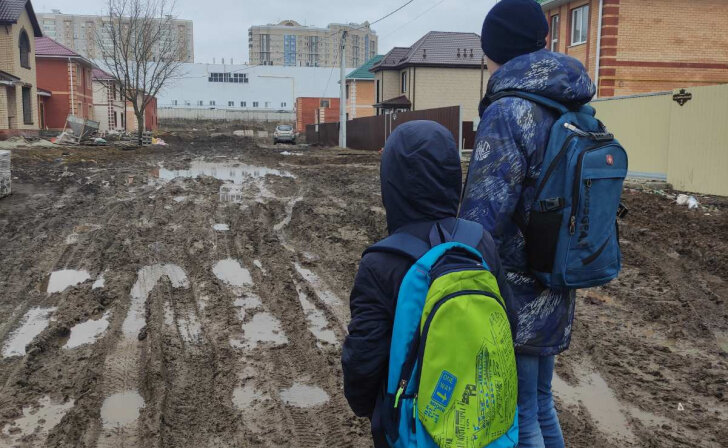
365, 133
468, 135
327, 134
371, 133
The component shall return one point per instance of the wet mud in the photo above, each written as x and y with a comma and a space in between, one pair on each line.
197, 295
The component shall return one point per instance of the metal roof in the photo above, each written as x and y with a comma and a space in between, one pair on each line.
397, 102
100, 75
10, 11
363, 71
436, 48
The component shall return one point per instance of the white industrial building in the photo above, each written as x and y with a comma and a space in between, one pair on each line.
247, 87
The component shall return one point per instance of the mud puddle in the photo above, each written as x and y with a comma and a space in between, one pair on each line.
32, 324
318, 324
263, 328
121, 409
88, 332
231, 272
304, 396
237, 173
147, 279
37, 420
65, 278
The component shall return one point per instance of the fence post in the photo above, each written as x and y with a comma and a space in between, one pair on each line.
460, 131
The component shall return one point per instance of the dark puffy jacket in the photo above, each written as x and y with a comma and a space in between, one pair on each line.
421, 184
506, 164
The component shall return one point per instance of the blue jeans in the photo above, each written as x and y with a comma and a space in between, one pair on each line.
538, 424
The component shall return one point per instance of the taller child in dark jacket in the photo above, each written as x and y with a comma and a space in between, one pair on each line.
421, 183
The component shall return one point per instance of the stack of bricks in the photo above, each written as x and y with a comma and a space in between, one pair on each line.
4, 173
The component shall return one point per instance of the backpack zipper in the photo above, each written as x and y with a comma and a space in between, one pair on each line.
576, 188
554, 164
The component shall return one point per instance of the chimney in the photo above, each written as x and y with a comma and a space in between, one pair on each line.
223, 61
471, 53
424, 53
458, 55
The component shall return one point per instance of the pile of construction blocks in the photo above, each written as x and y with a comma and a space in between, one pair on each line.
4, 173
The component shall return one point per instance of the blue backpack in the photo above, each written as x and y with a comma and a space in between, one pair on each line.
572, 235
452, 379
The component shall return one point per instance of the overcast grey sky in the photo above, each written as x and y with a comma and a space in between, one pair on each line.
221, 26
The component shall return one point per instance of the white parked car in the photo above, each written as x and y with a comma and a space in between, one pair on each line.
284, 133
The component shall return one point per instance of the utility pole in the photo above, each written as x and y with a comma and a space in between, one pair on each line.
342, 93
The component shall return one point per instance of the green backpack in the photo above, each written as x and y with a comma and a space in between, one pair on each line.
452, 378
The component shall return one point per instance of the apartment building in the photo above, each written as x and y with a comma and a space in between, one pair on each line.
80, 33
292, 44
637, 46
441, 69
18, 89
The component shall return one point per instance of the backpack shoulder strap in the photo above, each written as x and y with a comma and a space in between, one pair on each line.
402, 244
468, 232
538, 99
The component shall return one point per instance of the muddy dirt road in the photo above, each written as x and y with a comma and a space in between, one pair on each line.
197, 295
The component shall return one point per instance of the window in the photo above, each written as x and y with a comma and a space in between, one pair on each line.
377, 91
27, 106
243, 104
24, 47
555, 30
238, 78
325, 104
289, 50
174, 102
404, 82
212, 102
231, 103
200, 103
267, 104
284, 104
579, 25
255, 104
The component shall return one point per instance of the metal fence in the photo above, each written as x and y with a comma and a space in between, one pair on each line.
371, 133
679, 135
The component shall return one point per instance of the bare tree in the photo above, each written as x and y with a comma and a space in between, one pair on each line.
139, 48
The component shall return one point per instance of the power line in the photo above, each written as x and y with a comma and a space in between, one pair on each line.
415, 19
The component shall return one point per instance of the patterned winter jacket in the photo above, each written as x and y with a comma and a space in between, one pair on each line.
505, 167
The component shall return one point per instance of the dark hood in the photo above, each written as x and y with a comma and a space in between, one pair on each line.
546, 73
420, 173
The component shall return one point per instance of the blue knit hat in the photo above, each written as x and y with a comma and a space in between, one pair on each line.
513, 28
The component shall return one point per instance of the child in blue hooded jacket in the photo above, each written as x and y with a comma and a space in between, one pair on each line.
504, 170
421, 180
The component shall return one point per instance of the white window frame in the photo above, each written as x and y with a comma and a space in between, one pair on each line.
555, 32
580, 15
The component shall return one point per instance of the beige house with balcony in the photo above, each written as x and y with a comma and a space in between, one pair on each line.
18, 93
441, 69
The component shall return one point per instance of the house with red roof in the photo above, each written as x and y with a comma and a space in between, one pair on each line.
18, 89
67, 76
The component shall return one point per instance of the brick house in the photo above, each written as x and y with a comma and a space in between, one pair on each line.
67, 75
18, 89
643, 46
315, 110
360, 95
109, 105
441, 69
